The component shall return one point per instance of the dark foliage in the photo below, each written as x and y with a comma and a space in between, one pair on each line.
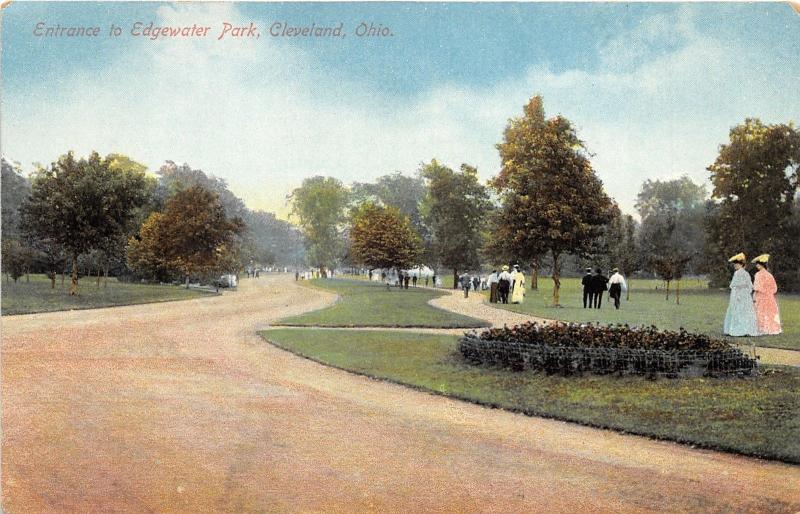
569, 349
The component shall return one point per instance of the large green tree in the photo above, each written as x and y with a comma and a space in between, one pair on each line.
193, 236
455, 210
79, 204
755, 179
320, 205
550, 196
383, 237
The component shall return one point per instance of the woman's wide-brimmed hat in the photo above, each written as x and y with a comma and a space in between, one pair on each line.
615, 270
739, 257
505, 268
761, 259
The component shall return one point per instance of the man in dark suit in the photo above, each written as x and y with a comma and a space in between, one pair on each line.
586, 282
599, 286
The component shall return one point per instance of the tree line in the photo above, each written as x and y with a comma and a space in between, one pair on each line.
109, 215
547, 209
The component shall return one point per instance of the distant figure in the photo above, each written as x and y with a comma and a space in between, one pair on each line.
437, 281
370, 275
517, 286
586, 282
426, 280
476, 283
599, 285
504, 284
406, 278
465, 282
768, 317
616, 284
740, 319
493, 278
414, 281
296, 276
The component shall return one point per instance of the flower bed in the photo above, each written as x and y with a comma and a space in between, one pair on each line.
569, 349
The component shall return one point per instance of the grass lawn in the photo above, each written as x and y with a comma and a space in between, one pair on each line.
756, 416
701, 309
365, 303
36, 296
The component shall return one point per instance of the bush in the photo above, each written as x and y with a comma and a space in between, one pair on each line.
570, 349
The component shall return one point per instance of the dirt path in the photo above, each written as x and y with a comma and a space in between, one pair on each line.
475, 307
180, 407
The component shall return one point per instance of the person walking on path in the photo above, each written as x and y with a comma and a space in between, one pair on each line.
599, 285
517, 286
768, 317
466, 283
740, 318
414, 281
476, 282
493, 278
406, 278
586, 282
504, 284
616, 284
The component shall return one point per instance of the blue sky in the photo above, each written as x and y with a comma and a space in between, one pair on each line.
652, 88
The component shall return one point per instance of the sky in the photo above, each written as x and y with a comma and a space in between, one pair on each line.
652, 89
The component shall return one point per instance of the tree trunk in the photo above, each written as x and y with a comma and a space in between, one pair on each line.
105, 276
455, 278
53, 279
628, 291
556, 281
535, 274
667, 290
27, 277
187, 281
98, 276
678, 292
73, 286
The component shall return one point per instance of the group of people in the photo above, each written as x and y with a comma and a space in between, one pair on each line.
506, 286
595, 284
752, 309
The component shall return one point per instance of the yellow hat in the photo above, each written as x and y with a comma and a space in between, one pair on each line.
761, 259
505, 268
739, 257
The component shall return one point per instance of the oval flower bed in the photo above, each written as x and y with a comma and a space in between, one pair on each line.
569, 349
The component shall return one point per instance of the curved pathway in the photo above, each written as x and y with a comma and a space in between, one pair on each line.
181, 407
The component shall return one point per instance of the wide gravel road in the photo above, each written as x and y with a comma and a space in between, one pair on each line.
181, 407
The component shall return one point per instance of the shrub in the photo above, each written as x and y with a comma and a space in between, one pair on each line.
570, 349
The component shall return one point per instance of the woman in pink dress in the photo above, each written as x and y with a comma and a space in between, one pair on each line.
764, 288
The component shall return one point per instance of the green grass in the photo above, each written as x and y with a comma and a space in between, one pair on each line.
364, 303
755, 416
701, 309
25, 297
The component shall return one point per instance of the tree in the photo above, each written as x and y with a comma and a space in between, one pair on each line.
79, 204
550, 194
14, 189
17, 256
454, 209
382, 237
664, 248
682, 202
193, 237
755, 180
319, 204
619, 245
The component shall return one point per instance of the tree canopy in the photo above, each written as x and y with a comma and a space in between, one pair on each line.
192, 236
80, 204
455, 209
382, 237
319, 205
551, 198
755, 181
